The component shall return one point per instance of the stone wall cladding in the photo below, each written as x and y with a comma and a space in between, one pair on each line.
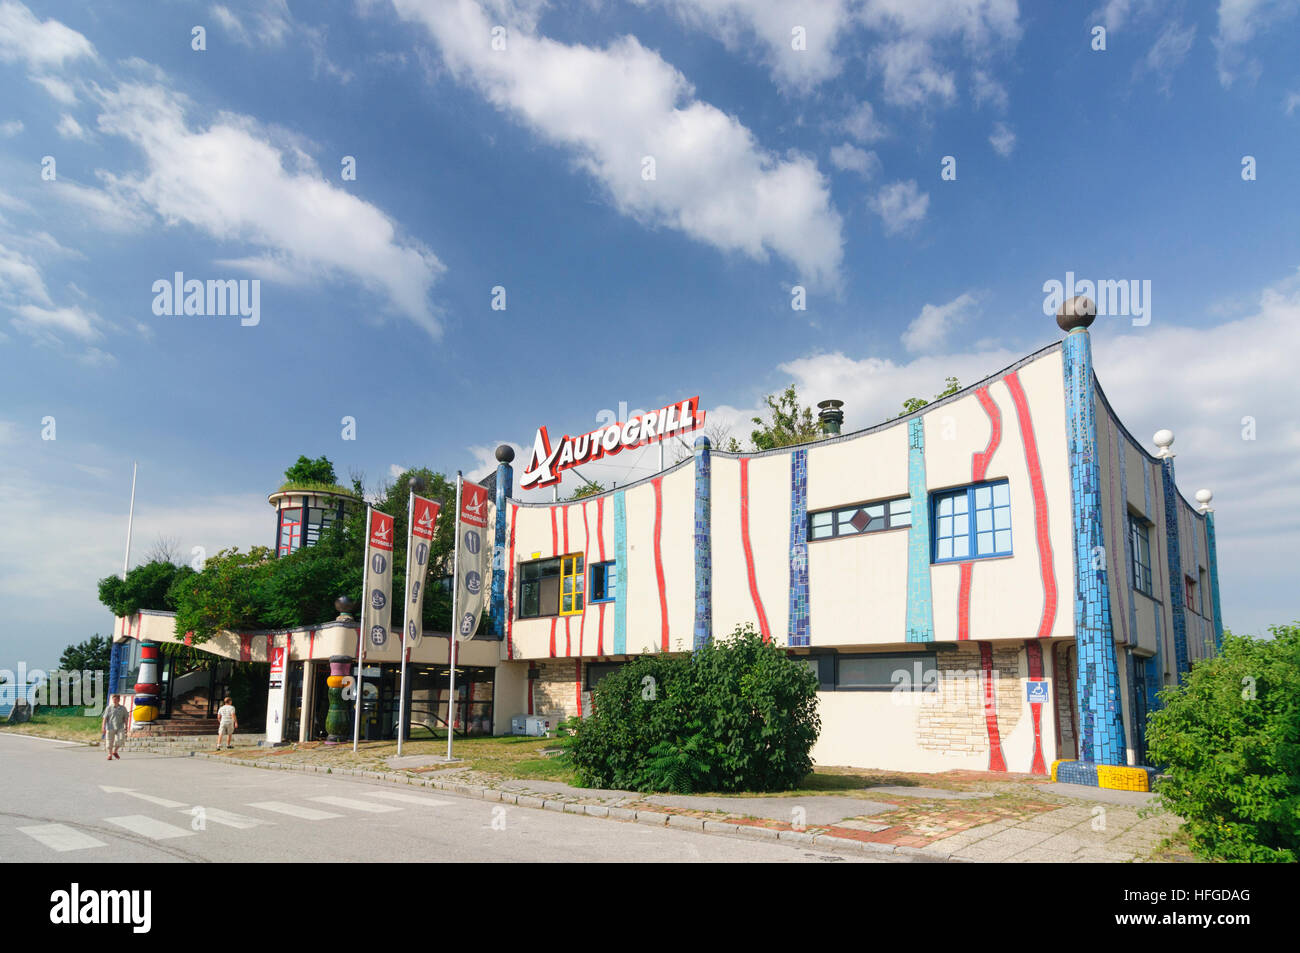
953, 723
554, 692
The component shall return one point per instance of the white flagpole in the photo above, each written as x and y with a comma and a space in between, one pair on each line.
451, 651
361, 634
406, 623
126, 560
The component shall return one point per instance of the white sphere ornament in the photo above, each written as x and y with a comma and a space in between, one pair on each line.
1163, 439
1203, 497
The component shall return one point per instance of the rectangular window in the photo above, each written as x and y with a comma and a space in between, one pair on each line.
875, 673
596, 672
319, 521
1140, 544
539, 588
972, 522
1201, 587
572, 578
604, 582
1189, 584
290, 530
861, 518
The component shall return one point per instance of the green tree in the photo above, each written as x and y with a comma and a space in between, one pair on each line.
307, 471
913, 404
586, 490
1229, 738
145, 587
227, 595
92, 655
791, 423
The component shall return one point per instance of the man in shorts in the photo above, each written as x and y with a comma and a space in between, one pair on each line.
227, 723
115, 716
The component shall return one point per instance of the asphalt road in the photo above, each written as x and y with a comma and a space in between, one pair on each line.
61, 802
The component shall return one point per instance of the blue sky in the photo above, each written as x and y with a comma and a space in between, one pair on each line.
523, 168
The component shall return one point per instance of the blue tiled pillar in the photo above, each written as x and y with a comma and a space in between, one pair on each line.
920, 609
505, 485
621, 567
1177, 590
799, 548
1101, 716
114, 666
1214, 579
703, 546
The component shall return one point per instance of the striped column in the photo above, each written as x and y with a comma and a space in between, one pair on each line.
1177, 590
620, 557
799, 548
920, 608
114, 665
1101, 719
703, 545
1212, 555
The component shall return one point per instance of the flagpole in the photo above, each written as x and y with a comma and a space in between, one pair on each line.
361, 633
130, 518
455, 586
406, 623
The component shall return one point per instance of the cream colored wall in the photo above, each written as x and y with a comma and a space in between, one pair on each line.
733, 605
769, 535
677, 544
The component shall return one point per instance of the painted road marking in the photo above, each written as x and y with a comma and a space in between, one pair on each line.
149, 827
226, 818
294, 810
152, 799
355, 805
60, 837
408, 798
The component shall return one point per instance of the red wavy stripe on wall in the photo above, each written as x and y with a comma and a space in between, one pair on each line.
996, 761
980, 462
1045, 566
1035, 653
963, 603
553, 620
749, 552
659, 562
577, 683
586, 564
555, 535
510, 587
246, 648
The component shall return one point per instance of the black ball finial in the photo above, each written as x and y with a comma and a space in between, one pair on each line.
1078, 312
505, 453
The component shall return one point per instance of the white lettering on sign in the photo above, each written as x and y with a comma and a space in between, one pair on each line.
547, 463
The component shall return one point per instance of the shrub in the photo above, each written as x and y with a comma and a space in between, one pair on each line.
737, 715
1230, 738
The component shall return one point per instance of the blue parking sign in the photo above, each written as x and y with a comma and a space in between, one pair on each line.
1036, 692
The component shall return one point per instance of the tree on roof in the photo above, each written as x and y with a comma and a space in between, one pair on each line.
913, 404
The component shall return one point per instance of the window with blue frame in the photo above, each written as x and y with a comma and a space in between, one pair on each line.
1140, 544
604, 582
971, 522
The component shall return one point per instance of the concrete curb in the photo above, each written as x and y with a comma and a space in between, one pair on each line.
627, 815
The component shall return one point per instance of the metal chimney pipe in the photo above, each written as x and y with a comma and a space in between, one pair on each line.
830, 416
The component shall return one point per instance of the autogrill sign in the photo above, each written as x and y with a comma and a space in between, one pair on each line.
549, 463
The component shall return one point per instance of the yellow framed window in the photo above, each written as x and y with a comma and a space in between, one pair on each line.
572, 576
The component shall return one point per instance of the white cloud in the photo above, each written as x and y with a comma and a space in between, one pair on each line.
59, 89
988, 91
1240, 21
931, 328
1002, 139
615, 105
38, 44
900, 205
11, 128
269, 23
768, 26
50, 325
109, 207
863, 125
20, 279
1168, 52
233, 182
911, 74
849, 158
1291, 102
69, 128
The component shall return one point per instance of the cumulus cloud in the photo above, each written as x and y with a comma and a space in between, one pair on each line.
269, 22
69, 128
1002, 139
614, 106
1167, 53
863, 125
1240, 21
900, 205
11, 128
849, 158
931, 328
39, 44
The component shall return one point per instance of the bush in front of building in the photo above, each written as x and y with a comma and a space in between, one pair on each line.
737, 715
1230, 740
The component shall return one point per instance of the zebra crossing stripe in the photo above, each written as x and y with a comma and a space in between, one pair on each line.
355, 804
408, 798
149, 827
294, 810
60, 837
225, 818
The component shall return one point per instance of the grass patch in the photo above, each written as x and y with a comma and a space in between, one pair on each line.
56, 725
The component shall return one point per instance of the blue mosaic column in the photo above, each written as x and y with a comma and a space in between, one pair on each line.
920, 609
1101, 716
505, 485
621, 567
114, 666
799, 548
1177, 591
1214, 578
703, 545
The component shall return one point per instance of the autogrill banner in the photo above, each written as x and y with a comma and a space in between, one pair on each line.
424, 516
376, 608
471, 559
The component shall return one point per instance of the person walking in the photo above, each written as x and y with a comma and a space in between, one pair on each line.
227, 723
114, 727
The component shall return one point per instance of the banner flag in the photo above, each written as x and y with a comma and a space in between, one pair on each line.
419, 546
471, 559
376, 608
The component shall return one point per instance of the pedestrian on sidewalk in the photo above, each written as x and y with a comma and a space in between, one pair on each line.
114, 727
227, 723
